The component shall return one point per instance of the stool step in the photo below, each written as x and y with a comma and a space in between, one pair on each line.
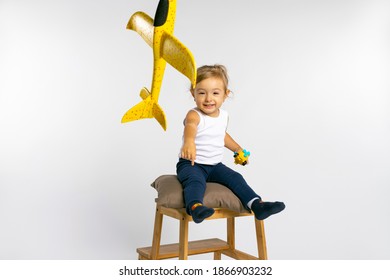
194, 248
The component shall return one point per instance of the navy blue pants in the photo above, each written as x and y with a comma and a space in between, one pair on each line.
194, 178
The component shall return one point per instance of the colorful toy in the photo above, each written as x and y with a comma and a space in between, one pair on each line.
166, 48
241, 157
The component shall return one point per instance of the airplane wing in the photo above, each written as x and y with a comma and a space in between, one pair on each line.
172, 50
177, 55
143, 25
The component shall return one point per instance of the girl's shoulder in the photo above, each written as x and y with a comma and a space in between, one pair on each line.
193, 116
223, 113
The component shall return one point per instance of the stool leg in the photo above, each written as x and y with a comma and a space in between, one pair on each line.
260, 236
183, 239
158, 220
231, 236
217, 255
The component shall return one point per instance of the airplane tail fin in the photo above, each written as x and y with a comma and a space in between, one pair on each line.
147, 108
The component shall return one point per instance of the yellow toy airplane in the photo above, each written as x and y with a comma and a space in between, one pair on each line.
166, 48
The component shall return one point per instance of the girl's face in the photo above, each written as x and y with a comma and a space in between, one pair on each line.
209, 95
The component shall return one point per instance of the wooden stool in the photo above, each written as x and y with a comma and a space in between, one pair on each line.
169, 202
183, 249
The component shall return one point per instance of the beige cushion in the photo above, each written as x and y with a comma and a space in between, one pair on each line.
170, 194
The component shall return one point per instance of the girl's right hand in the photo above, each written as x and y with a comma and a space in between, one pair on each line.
188, 151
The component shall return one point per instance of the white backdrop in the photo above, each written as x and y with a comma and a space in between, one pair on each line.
311, 102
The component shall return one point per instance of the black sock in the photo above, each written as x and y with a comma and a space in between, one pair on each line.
263, 210
200, 213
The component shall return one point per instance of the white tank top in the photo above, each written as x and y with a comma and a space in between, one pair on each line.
210, 137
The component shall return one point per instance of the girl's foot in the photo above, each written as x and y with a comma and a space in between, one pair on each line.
263, 210
200, 213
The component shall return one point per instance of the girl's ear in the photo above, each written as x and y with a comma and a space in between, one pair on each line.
227, 92
192, 92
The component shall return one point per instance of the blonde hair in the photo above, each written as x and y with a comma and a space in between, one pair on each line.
213, 71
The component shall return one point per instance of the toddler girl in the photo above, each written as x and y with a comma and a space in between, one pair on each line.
202, 151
